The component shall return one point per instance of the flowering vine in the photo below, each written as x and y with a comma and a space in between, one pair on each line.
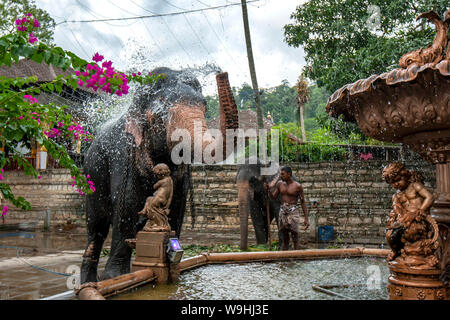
23, 117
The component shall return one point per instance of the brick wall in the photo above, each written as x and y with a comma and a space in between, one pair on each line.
351, 196
53, 191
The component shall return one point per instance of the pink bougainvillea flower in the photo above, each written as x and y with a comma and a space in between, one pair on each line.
5, 210
36, 23
106, 64
80, 83
1, 177
31, 98
39, 177
32, 38
29, 14
97, 57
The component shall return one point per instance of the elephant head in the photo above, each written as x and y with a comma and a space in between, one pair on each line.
175, 102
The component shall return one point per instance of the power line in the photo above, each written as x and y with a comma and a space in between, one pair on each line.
152, 12
176, 39
172, 5
154, 15
220, 40
153, 38
198, 38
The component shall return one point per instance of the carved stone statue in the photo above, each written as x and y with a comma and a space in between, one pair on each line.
157, 206
412, 233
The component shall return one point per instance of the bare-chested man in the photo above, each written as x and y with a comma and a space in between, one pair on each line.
289, 217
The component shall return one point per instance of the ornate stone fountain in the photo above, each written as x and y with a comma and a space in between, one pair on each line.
411, 105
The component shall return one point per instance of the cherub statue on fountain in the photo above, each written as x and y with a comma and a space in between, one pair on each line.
412, 233
157, 206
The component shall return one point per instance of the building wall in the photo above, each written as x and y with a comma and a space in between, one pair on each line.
350, 196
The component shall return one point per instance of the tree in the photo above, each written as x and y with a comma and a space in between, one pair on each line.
302, 98
346, 40
23, 118
11, 10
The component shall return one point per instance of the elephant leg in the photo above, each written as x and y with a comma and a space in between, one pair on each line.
96, 237
120, 255
259, 221
285, 245
178, 206
295, 240
274, 213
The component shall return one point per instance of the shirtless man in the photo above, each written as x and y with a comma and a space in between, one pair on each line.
289, 217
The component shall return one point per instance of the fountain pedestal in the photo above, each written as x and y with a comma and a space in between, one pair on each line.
416, 284
411, 105
151, 254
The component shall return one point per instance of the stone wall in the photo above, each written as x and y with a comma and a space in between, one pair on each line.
351, 197
53, 191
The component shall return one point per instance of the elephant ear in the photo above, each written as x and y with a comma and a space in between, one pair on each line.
134, 125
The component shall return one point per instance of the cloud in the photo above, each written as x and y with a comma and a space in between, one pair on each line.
194, 39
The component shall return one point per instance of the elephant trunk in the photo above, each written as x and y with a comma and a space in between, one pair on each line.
228, 112
191, 120
244, 208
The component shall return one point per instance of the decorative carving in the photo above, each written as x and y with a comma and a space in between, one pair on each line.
398, 292
412, 232
440, 295
433, 53
157, 207
421, 295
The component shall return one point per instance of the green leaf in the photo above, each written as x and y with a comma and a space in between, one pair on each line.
37, 57
7, 59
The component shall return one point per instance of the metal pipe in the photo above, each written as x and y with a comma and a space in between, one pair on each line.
90, 293
331, 293
193, 262
276, 255
98, 290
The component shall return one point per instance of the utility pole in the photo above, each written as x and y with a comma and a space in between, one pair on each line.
251, 64
259, 116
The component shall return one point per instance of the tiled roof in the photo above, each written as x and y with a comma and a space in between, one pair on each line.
28, 68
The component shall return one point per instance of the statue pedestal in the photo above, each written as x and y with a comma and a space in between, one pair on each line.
151, 254
416, 284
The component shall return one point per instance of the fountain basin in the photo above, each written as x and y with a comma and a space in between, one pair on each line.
227, 259
347, 278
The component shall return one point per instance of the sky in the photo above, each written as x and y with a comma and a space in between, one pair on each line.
204, 40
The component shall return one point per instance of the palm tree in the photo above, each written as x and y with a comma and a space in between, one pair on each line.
302, 98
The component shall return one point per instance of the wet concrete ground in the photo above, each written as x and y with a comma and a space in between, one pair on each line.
38, 264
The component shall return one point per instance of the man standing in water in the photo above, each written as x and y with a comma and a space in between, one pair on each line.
289, 217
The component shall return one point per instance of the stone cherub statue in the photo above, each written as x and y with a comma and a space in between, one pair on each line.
157, 206
412, 233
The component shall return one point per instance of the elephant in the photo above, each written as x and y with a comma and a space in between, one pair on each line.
252, 199
120, 162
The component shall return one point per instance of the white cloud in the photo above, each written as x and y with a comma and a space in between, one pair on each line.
193, 39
